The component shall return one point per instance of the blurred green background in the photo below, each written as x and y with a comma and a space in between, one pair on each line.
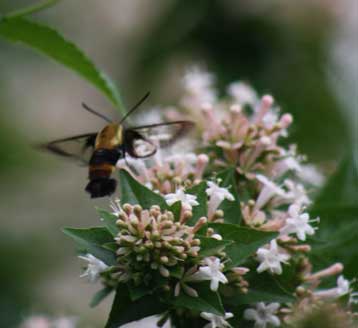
303, 52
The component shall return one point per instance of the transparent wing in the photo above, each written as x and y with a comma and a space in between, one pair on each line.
143, 141
79, 148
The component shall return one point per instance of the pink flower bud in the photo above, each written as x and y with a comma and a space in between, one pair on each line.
286, 120
330, 271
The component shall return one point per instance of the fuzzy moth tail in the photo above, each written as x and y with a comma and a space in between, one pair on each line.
101, 187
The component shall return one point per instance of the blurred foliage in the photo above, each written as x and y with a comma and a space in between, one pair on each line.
31, 9
284, 57
22, 267
326, 315
14, 152
55, 46
337, 206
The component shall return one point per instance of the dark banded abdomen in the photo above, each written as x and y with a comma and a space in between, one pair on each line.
101, 166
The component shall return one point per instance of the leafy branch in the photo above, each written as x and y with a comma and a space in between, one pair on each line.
51, 43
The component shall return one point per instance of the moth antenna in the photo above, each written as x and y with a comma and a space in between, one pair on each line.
135, 107
86, 107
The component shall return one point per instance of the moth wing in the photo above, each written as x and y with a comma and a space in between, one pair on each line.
143, 141
79, 148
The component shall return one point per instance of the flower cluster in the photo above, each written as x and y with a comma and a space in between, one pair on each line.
168, 172
152, 240
42, 321
245, 130
211, 230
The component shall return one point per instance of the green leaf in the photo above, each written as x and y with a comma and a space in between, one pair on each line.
133, 192
246, 241
208, 301
341, 190
113, 246
95, 235
176, 210
124, 310
211, 246
100, 296
49, 42
232, 209
337, 207
32, 9
176, 272
137, 292
264, 287
201, 209
92, 240
109, 220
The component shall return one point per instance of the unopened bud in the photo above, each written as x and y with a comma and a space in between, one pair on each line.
235, 109
300, 291
155, 235
219, 214
166, 288
199, 224
188, 214
267, 101
164, 272
195, 242
164, 259
330, 271
167, 225
286, 120
121, 224
177, 181
127, 208
133, 220
149, 244
137, 210
210, 231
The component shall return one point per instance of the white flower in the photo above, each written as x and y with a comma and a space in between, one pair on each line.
197, 79
269, 190
36, 321
243, 93
271, 258
310, 174
64, 322
212, 272
289, 163
270, 119
94, 267
342, 286
46, 322
136, 164
198, 85
296, 193
187, 158
217, 195
147, 322
263, 315
214, 191
115, 205
186, 200
353, 298
217, 236
297, 223
341, 289
216, 321
183, 163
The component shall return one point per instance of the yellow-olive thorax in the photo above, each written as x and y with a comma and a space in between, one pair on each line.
110, 137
